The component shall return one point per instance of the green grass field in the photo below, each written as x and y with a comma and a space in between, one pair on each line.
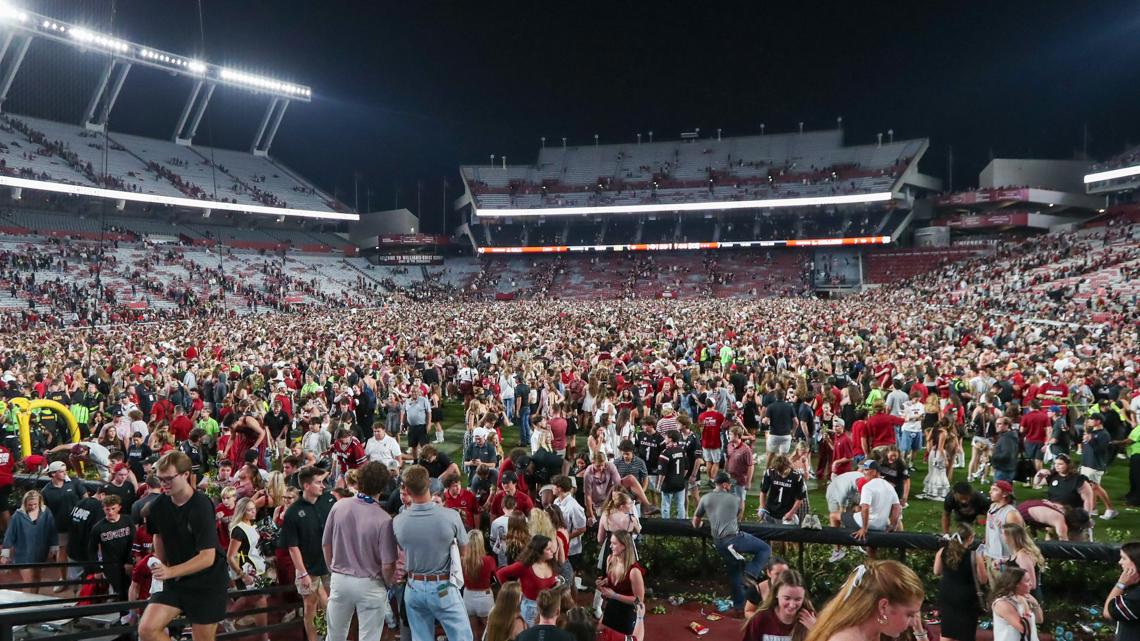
919, 516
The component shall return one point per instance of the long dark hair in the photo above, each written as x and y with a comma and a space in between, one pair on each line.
1131, 550
533, 552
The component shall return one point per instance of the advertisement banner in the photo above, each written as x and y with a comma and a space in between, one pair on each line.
409, 259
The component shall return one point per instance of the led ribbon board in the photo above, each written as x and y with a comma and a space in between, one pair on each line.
99, 192
770, 203
1112, 174
804, 242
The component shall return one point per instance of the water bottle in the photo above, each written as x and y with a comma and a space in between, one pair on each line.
155, 584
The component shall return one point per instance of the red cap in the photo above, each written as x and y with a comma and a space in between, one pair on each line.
1005, 486
119, 467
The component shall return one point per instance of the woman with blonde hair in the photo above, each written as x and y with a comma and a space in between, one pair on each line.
786, 612
478, 568
1016, 613
31, 537
1026, 555
505, 622
879, 598
247, 566
623, 590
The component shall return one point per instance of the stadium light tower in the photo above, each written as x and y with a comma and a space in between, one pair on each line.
879, 136
718, 134
22, 26
761, 129
639, 138
801, 126
543, 141
891, 135
563, 142
651, 136
595, 140
839, 123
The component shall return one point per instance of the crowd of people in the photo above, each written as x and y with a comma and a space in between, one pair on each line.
247, 451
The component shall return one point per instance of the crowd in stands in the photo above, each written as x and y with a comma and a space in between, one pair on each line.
581, 419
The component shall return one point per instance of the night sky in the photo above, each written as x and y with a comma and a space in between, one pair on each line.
404, 92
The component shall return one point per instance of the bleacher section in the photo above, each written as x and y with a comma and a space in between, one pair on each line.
61, 152
747, 167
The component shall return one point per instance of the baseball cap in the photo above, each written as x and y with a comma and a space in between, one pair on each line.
723, 477
56, 466
1005, 486
870, 464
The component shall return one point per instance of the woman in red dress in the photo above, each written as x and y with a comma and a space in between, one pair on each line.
246, 434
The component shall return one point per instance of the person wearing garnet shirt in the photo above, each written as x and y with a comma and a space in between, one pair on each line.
523, 502
787, 612
348, 451
461, 500
7, 467
535, 571
1035, 426
710, 421
881, 426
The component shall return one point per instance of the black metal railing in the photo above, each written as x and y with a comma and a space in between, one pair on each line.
48, 610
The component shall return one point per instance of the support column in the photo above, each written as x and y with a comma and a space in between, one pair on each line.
116, 87
201, 111
100, 87
14, 67
185, 115
273, 128
264, 123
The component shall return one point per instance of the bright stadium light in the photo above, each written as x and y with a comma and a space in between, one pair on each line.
197, 66
1112, 174
99, 192
261, 82
106, 42
809, 201
12, 13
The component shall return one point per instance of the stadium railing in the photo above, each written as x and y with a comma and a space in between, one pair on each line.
63, 620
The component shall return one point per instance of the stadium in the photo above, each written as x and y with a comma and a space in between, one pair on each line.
755, 380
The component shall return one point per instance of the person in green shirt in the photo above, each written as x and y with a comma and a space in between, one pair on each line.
726, 355
208, 425
1133, 452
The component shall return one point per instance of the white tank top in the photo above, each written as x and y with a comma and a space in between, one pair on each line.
995, 542
1003, 631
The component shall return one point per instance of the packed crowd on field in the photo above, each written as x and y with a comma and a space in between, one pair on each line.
580, 421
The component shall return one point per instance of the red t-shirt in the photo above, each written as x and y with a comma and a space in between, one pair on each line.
350, 457
465, 504
223, 515
557, 427
482, 581
858, 433
1035, 425
710, 422
523, 503
766, 626
141, 575
882, 429
180, 427
842, 448
7, 466
1051, 394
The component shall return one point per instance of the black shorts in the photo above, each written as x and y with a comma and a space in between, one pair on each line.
200, 607
5, 497
417, 435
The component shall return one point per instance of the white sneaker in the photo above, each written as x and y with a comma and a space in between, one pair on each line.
1109, 515
837, 555
734, 553
1093, 513
227, 625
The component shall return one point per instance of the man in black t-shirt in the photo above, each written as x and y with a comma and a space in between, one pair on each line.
965, 503
545, 627
111, 541
83, 518
192, 564
301, 533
